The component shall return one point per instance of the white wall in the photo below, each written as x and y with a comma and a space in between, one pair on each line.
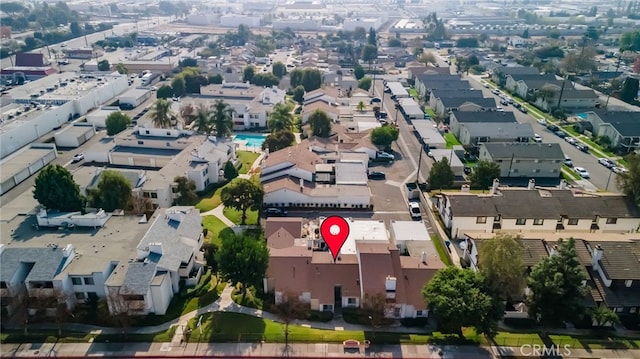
287, 196
69, 137
161, 296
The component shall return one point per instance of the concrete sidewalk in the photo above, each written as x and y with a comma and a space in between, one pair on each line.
271, 350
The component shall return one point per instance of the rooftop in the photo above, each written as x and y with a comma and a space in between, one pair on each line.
520, 150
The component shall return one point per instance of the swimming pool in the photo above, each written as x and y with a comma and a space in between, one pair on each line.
250, 140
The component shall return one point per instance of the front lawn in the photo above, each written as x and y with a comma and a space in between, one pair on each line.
235, 216
429, 111
451, 140
413, 92
210, 198
247, 158
214, 226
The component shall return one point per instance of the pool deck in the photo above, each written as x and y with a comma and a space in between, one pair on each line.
244, 145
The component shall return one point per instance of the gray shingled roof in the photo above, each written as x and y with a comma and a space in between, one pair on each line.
546, 151
553, 204
500, 130
626, 123
493, 116
518, 70
454, 102
47, 263
620, 260
533, 76
169, 233
138, 278
463, 93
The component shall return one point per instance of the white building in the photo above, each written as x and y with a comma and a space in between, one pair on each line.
235, 20
74, 136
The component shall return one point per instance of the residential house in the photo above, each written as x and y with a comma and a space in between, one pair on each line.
458, 118
609, 263
168, 253
414, 71
446, 105
518, 41
368, 265
424, 84
569, 98
530, 210
621, 128
524, 159
473, 134
326, 94
469, 94
331, 109
526, 86
499, 74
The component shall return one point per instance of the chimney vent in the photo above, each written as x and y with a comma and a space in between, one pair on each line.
532, 184
494, 187
424, 258
596, 256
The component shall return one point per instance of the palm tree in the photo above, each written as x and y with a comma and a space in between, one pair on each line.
203, 119
161, 113
222, 117
361, 106
281, 118
121, 68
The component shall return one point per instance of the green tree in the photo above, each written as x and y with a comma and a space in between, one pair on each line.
394, 42
243, 259
178, 85
365, 83
557, 292
112, 192
121, 68
629, 182
202, 119
311, 79
279, 69
320, 123
164, 92
230, 171
189, 62
358, 72
484, 174
103, 65
116, 122
502, 265
161, 113
298, 94
222, 116
441, 174
467, 42
186, 188
361, 106
359, 33
427, 58
265, 79
384, 136
278, 140
242, 194
248, 73
630, 41
603, 316
369, 53
372, 38
55, 189
215, 79
460, 298
295, 78
280, 118
629, 90
525, 34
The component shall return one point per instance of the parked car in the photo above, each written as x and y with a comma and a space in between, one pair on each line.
381, 154
582, 172
78, 157
617, 169
542, 121
504, 102
582, 147
496, 92
570, 140
560, 134
375, 100
567, 161
377, 175
523, 109
275, 212
606, 162
467, 170
485, 84
537, 138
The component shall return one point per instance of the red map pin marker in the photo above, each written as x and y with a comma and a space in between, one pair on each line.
334, 231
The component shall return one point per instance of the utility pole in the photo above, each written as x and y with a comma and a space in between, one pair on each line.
561, 92
606, 105
419, 163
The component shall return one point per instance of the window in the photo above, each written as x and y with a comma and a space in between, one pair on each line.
480, 219
619, 310
628, 283
521, 221
88, 281
168, 144
327, 307
497, 218
80, 296
536, 171
612, 220
168, 133
633, 309
141, 142
154, 195
147, 131
538, 221
76, 280
351, 301
419, 313
573, 222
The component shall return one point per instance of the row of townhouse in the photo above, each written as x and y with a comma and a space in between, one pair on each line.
134, 263
605, 227
375, 260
